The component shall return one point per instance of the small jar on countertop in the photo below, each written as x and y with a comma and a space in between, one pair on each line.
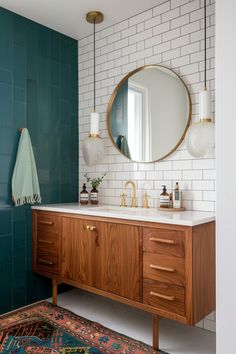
94, 196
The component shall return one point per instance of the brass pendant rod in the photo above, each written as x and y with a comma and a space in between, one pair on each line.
205, 48
94, 63
94, 17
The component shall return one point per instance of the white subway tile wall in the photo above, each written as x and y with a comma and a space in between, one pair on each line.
170, 34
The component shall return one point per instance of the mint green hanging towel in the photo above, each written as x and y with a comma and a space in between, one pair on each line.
25, 184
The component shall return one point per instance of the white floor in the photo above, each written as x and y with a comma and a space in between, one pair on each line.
175, 338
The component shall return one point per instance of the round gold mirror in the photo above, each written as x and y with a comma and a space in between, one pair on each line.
149, 113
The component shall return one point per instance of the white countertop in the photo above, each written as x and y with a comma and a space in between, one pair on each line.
185, 218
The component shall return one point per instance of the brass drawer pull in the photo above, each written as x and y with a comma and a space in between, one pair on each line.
89, 228
165, 297
46, 241
46, 222
165, 269
44, 261
162, 240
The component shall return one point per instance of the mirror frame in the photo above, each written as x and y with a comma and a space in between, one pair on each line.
112, 99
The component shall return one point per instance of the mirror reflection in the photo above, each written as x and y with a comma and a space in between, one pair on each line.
149, 113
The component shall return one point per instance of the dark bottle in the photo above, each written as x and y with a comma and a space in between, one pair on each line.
164, 199
94, 196
84, 196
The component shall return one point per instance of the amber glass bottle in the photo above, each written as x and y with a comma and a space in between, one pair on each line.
84, 196
164, 198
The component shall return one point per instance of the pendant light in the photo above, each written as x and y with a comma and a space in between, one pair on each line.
93, 147
200, 138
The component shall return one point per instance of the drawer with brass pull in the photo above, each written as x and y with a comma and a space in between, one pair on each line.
164, 268
164, 241
167, 297
48, 263
47, 222
47, 242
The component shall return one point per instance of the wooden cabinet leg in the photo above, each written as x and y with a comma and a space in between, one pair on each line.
155, 339
54, 291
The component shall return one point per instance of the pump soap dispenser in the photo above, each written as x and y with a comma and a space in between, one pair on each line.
164, 198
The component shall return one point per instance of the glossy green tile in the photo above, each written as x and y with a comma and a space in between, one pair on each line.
19, 263
38, 90
5, 170
19, 67
5, 199
44, 288
19, 296
5, 77
5, 221
31, 289
6, 109
6, 141
20, 281
19, 94
20, 29
6, 39
19, 115
20, 214
19, 235
5, 249
6, 288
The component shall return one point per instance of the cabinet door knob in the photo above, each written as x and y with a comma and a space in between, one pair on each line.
90, 228
161, 296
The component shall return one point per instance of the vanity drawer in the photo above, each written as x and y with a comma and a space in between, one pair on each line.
164, 296
47, 242
164, 241
47, 262
164, 268
47, 222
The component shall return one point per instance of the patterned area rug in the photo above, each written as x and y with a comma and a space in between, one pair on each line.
45, 328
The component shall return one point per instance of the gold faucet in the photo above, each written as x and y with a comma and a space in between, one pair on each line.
133, 194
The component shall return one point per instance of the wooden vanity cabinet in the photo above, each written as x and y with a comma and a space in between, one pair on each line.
168, 270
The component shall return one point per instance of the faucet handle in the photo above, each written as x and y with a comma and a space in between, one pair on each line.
145, 200
123, 200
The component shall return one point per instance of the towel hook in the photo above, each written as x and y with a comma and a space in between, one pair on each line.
20, 130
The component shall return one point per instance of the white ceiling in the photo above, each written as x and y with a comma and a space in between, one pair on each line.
68, 16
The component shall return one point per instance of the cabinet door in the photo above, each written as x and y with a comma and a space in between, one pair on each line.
80, 250
120, 260
103, 255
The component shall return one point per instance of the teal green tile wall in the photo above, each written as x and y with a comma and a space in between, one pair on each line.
38, 90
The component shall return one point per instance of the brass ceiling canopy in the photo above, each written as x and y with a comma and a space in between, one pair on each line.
94, 17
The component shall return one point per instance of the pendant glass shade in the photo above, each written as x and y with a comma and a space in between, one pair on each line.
93, 150
200, 138
93, 147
